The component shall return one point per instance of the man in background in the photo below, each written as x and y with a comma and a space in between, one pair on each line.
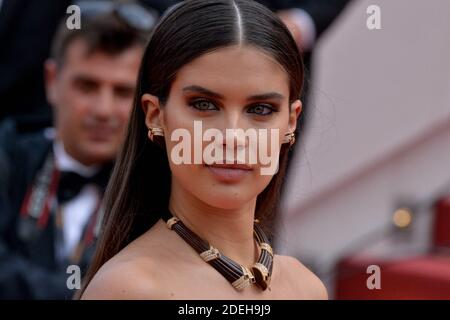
27, 28
54, 180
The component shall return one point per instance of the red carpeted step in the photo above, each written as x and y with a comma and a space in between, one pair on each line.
441, 232
423, 277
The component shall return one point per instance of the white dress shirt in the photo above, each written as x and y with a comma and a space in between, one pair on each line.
76, 212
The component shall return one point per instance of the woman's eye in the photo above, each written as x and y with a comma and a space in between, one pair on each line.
261, 109
203, 105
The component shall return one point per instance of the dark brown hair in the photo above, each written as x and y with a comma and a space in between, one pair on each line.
108, 33
139, 189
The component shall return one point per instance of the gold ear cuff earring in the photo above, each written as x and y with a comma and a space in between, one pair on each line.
289, 138
155, 131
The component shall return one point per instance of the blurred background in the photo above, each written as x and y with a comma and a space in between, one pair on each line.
371, 184
367, 200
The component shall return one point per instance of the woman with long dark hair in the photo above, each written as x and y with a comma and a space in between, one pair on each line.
180, 224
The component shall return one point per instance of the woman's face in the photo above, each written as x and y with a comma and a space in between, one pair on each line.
228, 89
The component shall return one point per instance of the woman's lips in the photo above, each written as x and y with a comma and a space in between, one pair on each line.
229, 172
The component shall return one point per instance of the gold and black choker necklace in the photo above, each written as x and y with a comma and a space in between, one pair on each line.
238, 275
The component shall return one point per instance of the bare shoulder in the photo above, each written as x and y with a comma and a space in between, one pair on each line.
136, 272
124, 279
305, 278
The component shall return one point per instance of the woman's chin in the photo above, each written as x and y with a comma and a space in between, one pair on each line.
227, 201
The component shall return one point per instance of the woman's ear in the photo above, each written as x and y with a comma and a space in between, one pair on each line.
295, 111
153, 113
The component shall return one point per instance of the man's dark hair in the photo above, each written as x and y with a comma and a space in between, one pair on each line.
108, 33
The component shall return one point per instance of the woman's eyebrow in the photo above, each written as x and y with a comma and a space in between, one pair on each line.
207, 92
198, 89
266, 96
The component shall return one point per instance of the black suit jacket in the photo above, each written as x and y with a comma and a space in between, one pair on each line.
29, 268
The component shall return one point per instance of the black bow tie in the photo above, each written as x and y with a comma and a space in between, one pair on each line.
71, 183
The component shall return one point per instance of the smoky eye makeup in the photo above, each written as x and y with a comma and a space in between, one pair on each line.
202, 104
262, 109
257, 109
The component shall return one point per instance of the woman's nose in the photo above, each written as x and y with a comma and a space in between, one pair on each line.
235, 136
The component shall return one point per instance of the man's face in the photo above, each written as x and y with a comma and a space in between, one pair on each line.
92, 96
